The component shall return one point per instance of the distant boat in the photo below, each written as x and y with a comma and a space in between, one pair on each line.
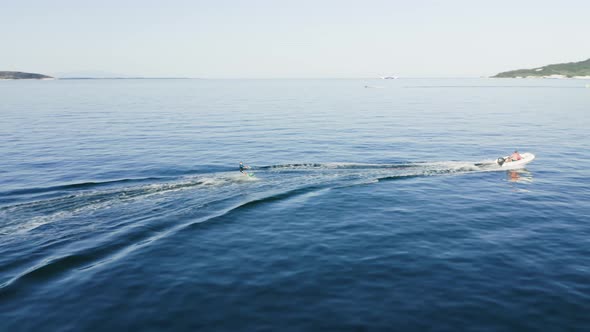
389, 78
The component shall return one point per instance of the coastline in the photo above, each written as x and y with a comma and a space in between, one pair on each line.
29, 79
551, 77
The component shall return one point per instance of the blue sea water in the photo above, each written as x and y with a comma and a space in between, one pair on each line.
374, 205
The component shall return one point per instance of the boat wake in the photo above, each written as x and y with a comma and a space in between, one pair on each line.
26, 209
108, 219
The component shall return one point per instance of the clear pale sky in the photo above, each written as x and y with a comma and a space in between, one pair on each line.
299, 38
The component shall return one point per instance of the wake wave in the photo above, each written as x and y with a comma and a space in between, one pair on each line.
150, 211
87, 197
75, 186
312, 166
136, 238
441, 165
90, 197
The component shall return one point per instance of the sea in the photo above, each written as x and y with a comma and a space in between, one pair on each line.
368, 205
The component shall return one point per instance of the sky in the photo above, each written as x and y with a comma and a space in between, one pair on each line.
290, 39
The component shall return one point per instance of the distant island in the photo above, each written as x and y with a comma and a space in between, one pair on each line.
17, 75
561, 70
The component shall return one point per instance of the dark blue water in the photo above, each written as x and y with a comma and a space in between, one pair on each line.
121, 207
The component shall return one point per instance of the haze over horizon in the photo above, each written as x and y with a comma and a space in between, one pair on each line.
304, 39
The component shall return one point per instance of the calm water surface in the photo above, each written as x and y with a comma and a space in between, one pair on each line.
371, 208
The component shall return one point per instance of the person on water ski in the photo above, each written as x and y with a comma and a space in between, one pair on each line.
243, 167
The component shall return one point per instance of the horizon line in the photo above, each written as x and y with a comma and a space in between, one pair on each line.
266, 78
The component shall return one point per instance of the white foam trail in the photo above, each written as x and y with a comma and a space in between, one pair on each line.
25, 217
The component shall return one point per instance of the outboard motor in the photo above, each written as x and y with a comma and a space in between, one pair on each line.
500, 161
